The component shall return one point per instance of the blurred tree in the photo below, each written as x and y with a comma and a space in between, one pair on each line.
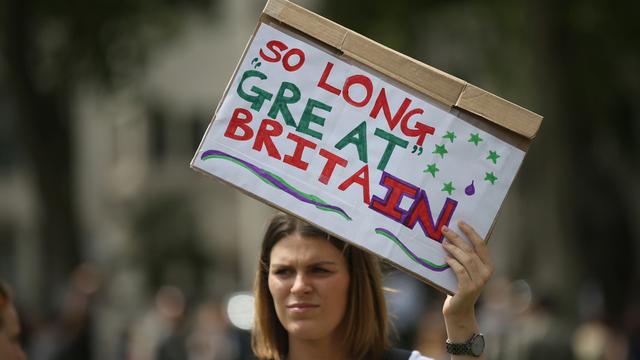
576, 62
49, 48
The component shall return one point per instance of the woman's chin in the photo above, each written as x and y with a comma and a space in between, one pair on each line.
305, 330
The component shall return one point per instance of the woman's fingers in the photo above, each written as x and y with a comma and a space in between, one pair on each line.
470, 262
475, 260
478, 243
456, 239
464, 280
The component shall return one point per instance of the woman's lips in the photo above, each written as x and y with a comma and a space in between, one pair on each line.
302, 307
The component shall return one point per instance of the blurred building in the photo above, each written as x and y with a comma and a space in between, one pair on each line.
146, 218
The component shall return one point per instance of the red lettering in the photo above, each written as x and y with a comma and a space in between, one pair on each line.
330, 165
421, 130
301, 144
382, 103
361, 177
276, 47
397, 189
420, 212
323, 80
268, 129
358, 79
239, 122
287, 65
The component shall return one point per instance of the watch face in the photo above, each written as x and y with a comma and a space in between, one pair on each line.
477, 345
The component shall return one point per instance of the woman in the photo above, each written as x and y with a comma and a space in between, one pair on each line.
320, 298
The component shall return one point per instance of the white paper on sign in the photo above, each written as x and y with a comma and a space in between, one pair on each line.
355, 153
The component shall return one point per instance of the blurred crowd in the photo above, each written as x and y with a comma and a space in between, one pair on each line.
517, 322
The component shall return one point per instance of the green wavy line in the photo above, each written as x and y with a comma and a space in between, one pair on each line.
303, 194
309, 196
408, 253
241, 164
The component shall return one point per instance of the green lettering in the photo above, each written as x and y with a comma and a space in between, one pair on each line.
309, 117
281, 103
260, 95
392, 141
357, 137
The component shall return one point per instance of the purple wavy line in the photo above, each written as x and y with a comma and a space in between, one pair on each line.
414, 257
272, 180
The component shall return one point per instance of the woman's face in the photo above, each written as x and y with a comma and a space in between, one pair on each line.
309, 282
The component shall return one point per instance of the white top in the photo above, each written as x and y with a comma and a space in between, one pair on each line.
415, 355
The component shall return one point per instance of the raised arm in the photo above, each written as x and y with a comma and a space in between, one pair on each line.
473, 268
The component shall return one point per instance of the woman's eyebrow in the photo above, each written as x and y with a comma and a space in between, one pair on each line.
279, 265
315, 263
323, 262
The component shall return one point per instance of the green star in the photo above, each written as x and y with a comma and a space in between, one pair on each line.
493, 156
475, 138
450, 135
432, 169
448, 187
440, 150
490, 177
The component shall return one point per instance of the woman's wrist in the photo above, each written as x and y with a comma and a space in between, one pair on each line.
461, 327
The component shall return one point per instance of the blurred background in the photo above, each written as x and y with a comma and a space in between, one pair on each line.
115, 249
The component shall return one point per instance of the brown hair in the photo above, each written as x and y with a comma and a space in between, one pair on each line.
5, 300
365, 321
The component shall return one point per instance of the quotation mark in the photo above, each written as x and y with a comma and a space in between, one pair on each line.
256, 64
417, 148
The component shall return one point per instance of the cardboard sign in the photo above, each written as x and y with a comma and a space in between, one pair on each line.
356, 152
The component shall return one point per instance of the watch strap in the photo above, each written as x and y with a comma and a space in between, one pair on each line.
465, 348
458, 348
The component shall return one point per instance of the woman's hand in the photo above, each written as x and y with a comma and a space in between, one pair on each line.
473, 268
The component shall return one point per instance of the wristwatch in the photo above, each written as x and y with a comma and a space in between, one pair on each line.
474, 346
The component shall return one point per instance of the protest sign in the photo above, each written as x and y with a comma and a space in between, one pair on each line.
363, 142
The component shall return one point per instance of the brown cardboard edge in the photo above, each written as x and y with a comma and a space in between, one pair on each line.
514, 139
307, 21
499, 111
427, 80
275, 206
434, 83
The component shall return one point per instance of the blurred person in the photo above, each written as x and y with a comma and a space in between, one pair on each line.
431, 333
155, 334
10, 347
595, 340
406, 297
319, 297
497, 317
68, 332
632, 325
597, 336
538, 332
210, 337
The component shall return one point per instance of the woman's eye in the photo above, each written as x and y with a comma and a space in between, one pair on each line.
281, 272
320, 270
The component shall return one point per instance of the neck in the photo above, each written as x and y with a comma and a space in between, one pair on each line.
328, 348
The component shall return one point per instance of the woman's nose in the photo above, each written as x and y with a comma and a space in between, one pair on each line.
301, 284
